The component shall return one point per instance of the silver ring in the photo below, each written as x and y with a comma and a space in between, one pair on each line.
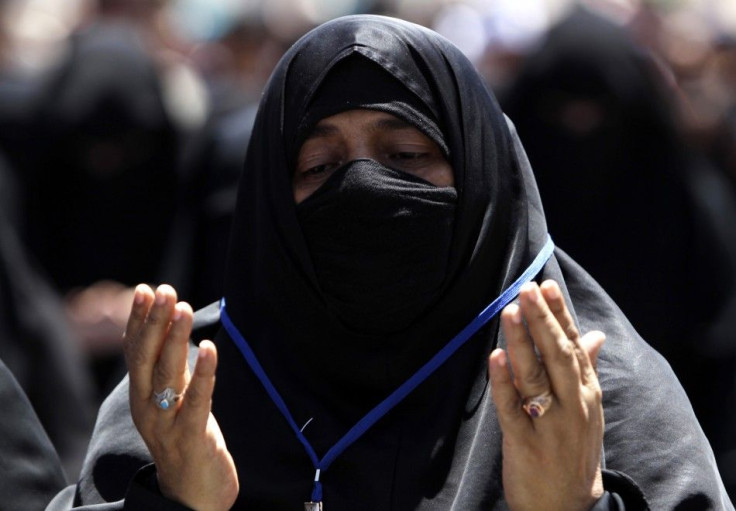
165, 398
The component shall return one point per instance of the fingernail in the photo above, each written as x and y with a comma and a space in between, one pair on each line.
138, 296
160, 298
532, 291
514, 313
553, 291
177, 313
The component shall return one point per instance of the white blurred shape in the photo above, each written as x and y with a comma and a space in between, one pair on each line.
463, 25
516, 24
209, 19
618, 11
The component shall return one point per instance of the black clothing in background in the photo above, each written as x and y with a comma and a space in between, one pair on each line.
440, 449
194, 261
103, 191
19, 96
37, 346
624, 197
30, 471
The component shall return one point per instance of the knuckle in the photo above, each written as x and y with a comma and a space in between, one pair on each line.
197, 396
556, 306
153, 319
138, 314
130, 343
565, 352
596, 393
135, 356
571, 331
536, 377
164, 373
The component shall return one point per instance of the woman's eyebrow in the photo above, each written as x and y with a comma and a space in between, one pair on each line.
390, 123
321, 131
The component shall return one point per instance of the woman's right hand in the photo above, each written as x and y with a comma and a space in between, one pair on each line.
193, 464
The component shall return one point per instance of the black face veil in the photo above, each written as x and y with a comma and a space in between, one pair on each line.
333, 374
379, 238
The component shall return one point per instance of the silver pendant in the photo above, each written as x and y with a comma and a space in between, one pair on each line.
312, 506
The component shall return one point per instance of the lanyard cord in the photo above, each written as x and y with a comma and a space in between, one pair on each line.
397, 395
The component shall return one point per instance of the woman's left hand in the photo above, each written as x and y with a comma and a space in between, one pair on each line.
551, 460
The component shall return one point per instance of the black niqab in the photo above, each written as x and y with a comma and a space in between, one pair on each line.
379, 240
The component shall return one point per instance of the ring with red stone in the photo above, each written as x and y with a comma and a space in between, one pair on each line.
535, 406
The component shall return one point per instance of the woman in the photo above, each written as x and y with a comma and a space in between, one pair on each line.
385, 204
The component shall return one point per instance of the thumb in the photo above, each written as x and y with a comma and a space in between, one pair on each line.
592, 342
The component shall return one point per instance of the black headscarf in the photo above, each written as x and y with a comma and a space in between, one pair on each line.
326, 371
439, 449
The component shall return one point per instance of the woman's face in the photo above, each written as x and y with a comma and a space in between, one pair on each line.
371, 134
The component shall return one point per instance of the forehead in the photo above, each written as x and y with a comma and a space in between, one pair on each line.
360, 121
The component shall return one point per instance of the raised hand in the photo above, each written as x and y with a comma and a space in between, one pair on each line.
192, 462
548, 404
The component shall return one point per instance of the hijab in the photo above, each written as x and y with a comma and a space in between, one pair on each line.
333, 374
440, 448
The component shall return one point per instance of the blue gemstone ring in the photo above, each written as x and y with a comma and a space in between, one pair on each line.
166, 398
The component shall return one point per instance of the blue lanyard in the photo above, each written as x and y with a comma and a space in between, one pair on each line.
402, 391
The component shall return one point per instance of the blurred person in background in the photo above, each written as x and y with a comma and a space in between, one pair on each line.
625, 196
39, 349
235, 67
35, 339
103, 184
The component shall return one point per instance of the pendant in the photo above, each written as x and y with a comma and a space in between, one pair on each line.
312, 506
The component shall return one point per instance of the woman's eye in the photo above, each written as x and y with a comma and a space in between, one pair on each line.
319, 169
408, 156
409, 160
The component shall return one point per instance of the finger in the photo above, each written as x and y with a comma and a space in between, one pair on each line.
557, 351
557, 306
529, 375
511, 416
151, 339
142, 298
139, 363
592, 342
170, 370
197, 402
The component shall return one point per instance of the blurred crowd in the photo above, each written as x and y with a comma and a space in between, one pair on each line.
124, 124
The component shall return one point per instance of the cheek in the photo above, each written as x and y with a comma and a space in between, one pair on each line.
442, 175
301, 191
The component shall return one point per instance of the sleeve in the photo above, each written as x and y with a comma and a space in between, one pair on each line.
652, 441
30, 470
609, 502
143, 493
118, 473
